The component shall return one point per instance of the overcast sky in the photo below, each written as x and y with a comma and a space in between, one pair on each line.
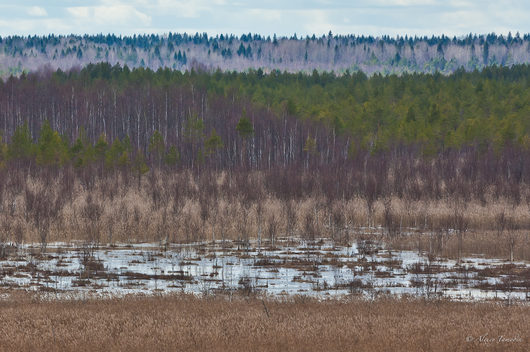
283, 17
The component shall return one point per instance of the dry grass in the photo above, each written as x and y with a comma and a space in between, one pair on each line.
168, 209
487, 243
216, 324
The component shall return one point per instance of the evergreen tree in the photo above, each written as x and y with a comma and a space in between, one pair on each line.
156, 147
310, 146
244, 127
114, 153
213, 143
50, 148
21, 146
101, 147
172, 156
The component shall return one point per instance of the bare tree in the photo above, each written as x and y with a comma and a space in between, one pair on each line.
511, 226
92, 211
272, 227
460, 225
290, 217
390, 222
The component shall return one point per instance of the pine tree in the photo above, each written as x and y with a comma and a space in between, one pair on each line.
114, 153
244, 127
172, 156
21, 147
213, 143
50, 148
101, 147
156, 147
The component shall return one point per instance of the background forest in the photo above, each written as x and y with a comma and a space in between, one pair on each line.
228, 52
258, 119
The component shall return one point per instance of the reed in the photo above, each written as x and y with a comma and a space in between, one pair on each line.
182, 322
185, 207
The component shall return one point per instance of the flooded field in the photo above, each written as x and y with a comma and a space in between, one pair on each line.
318, 269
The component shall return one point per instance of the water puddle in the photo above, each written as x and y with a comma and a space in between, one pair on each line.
319, 270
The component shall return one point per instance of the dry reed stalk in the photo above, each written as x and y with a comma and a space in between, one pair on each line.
168, 205
216, 324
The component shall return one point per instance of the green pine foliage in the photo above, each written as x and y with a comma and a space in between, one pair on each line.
156, 146
50, 149
244, 127
213, 143
172, 156
113, 155
21, 146
435, 112
101, 147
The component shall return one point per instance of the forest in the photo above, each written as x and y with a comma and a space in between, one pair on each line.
227, 52
286, 118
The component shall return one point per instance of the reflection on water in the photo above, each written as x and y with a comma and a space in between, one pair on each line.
316, 269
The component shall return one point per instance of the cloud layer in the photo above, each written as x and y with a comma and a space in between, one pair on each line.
368, 17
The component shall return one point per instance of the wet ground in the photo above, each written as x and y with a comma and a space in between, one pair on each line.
318, 269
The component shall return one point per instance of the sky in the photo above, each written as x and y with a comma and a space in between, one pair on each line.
266, 17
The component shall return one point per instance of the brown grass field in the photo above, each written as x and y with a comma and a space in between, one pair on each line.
187, 323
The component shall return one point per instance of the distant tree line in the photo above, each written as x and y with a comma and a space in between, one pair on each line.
147, 40
328, 52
